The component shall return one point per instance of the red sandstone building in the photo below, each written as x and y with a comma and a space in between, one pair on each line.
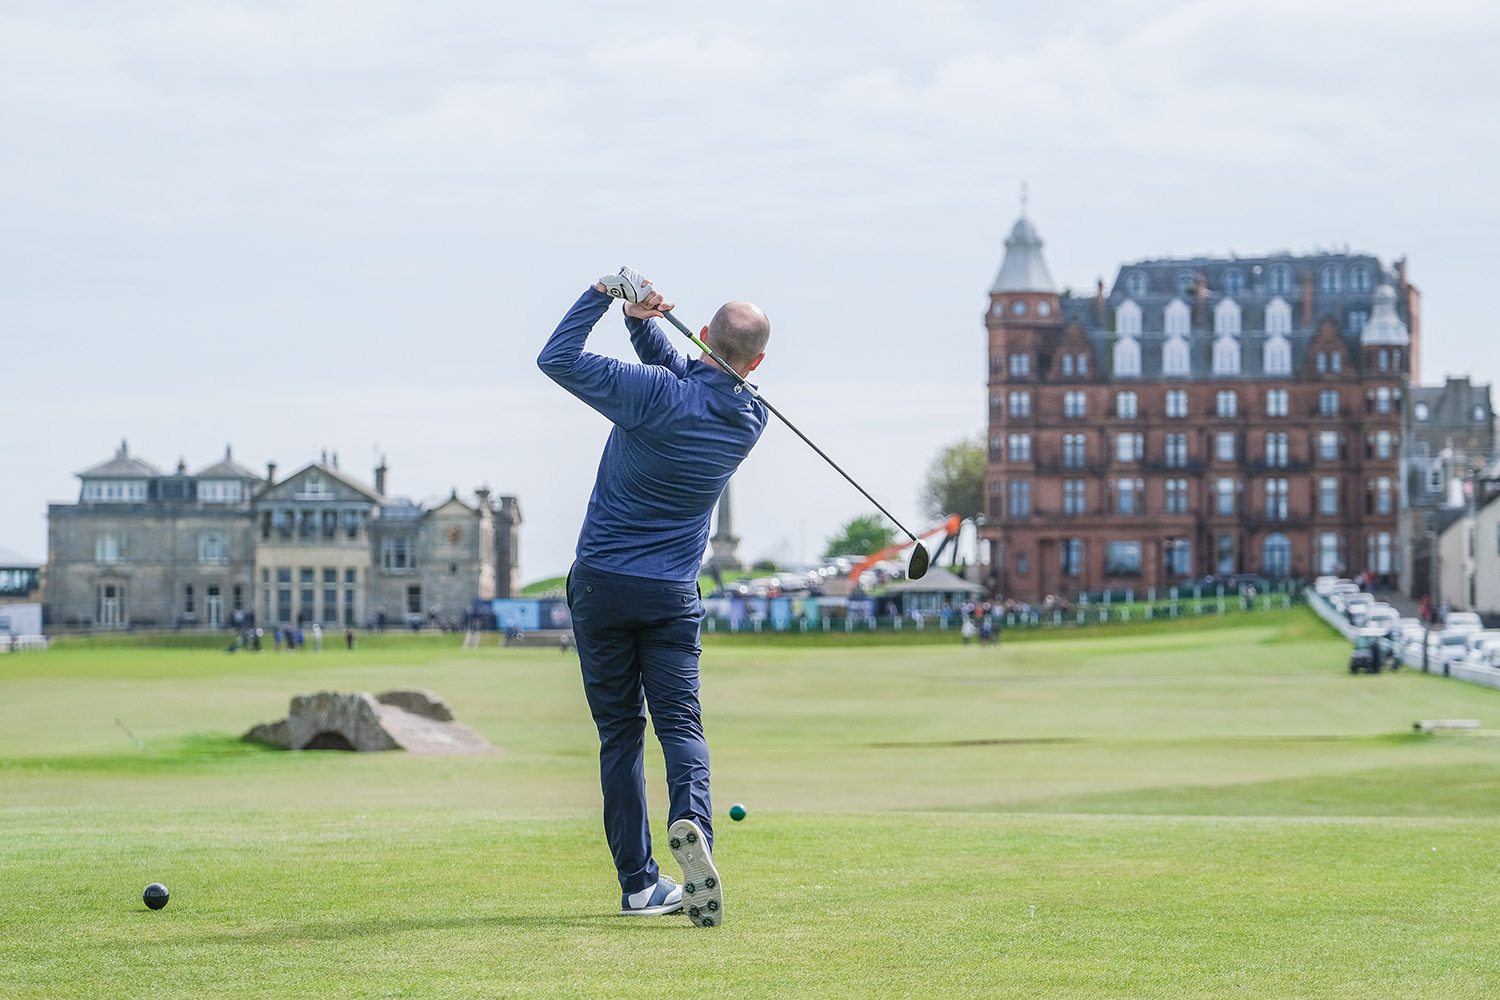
1205, 416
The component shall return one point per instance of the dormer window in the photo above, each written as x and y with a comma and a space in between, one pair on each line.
1176, 318
1279, 280
220, 491
1330, 278
1479, 414
1419, 411
1186, 282
1359, 278
1136, 284
1174, 356
114, 491
1127, 356
1128, 319
1276, 357
1234, 282
1278, 316
1226, 356
1227, 318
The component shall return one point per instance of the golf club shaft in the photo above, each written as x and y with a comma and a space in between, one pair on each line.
672, 318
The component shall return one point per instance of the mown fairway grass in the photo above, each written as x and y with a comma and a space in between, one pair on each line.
1159, 812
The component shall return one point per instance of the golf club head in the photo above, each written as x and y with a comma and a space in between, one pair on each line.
917, 568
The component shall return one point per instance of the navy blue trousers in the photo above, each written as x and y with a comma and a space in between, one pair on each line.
638, 648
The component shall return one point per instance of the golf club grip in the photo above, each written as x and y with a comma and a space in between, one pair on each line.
672, 318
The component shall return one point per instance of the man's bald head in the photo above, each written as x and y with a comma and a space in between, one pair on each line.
739, 332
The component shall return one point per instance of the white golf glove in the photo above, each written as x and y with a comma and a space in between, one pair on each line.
628, 285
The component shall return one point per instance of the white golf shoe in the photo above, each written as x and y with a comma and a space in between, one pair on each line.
702, 894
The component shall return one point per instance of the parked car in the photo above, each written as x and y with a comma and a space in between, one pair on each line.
1354, 607
1478, 647
1466, 621
1381, 616
1322, 583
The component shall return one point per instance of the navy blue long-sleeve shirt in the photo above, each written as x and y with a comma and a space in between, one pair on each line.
680, 431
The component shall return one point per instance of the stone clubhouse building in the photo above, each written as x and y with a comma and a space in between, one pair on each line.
143, 548
1202, 416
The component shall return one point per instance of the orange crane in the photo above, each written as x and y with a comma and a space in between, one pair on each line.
950, 527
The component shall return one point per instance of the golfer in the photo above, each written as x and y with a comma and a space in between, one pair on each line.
680, 431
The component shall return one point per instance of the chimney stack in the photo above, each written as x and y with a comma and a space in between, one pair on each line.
380, 471
1099, 305
270, 473
1307, 300
1200, 295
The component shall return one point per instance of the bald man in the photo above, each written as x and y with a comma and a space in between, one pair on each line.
680, 431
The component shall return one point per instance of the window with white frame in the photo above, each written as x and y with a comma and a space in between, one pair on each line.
1328, 495
1175, 359
1074, 497
1226, 356
213, 548
1234, 282
1125, 405
1067, 364
1083, 364
1130, 447
1176, 451
1383, 495
1331, 278
1359, 278
1179, 556
1276, 555
109, 547
1328, 403
1278, 317
1224, 446
1383, 444
1276, 355
1224, 496
1276, 450
1177, 318
1177, 403
1276, 503
1020, 447
1073, 451
1128, 319
398, 555
1383, 399
1328, 445
220, 491
1136, 284
1176, 496
1130, 495
1020, 404
1127, 357
1020, 364
1073, 404
1380, 552
1226, 404
1020, 498
1335, 361
1276, 403
114, 491
1328, 553
1357, 319
1279, 280
1227, 318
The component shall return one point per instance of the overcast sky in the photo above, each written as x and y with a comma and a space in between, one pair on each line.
350, 224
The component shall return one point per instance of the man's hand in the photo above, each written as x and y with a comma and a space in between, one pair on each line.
641, 300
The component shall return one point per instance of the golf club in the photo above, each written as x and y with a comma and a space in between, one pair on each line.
917, 567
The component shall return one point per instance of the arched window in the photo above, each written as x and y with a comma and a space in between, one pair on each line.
1185, 283
1280, 280
1278, 316
1136, 284
1127, 357
1276, 358
1359, 278
1234, 282
1227, 317
1276, 555
1331, 278
1226, 356
1176, 318
1128, 319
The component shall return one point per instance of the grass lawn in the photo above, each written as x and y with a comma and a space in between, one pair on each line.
1194, 810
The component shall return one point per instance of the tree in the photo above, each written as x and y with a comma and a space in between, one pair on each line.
860, 536
955, 480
